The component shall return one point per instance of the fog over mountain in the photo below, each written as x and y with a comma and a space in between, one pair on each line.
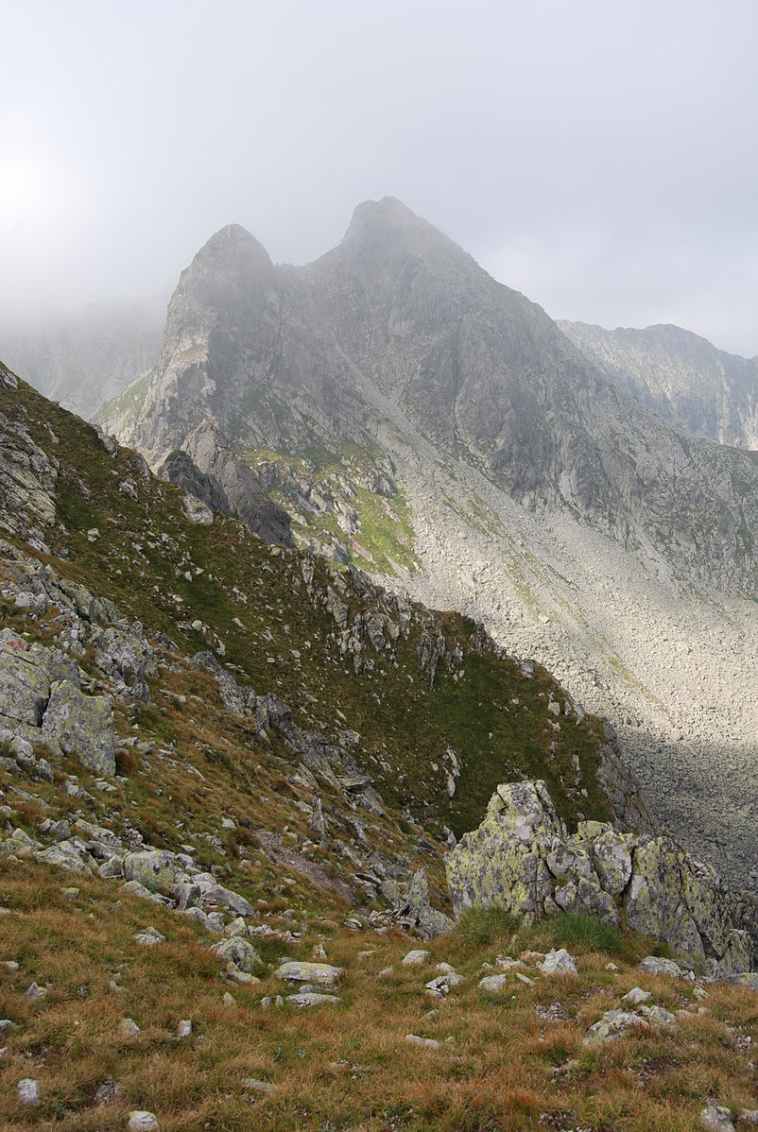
599, 158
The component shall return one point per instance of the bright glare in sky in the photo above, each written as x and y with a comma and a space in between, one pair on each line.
24, 189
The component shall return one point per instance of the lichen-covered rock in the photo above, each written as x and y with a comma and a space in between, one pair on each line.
523, 860
239, 952
322, 973
415, 912
503, 863
613, 1025
122, 651
154, 869
81, 726
69, 854
24, 683
27, 482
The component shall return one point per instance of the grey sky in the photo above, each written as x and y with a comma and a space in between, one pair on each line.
600, 156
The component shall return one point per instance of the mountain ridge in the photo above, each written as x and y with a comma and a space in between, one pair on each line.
679, 375
424, 422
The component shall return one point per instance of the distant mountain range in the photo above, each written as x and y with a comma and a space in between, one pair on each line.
85, 357
678, 375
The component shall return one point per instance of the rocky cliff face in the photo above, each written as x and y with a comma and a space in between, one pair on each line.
681, 377
397, 329
523, 860
419, 420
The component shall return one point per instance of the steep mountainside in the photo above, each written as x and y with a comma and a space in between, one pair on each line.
229, 779
416, 418
397, 328
689, 382
420, 703
88, 357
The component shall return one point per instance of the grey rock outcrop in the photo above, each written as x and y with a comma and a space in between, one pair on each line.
27, 480
397, 324
522, 859
81, 725
680, 376
41, 701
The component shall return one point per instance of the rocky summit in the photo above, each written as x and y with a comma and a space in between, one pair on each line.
393, 407
283, 848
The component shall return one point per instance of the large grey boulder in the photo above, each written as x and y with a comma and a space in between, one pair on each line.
324, 974
27, 481
81, 726
415, 912
24, 683
155, 869
239, 952
123, 652
522, 859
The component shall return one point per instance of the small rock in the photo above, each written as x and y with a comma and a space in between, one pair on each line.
270, 1000
128, 1028
716, 1118
386, 973
28, 1090
493, 984
184, 1028
107, 1092
748, 1116
443, 984
322, 973
415, 958
239, 952
612, 1025
506, 963
636, 996
149, 937
142, 1121
33, 991
229, 999
557, 962
426, 1043
310, 998
658, 1016
257, 1086
655, 965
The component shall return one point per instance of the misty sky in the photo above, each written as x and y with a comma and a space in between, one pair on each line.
602, 157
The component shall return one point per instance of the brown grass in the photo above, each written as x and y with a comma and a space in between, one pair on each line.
345, 1067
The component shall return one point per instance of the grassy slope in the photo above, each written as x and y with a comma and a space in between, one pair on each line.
347, 1066
384, 540
340, 1068
404, 725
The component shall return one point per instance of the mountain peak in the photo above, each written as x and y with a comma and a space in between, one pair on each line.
388, 218
234, 247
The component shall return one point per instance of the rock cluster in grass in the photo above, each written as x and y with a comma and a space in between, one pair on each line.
523, 859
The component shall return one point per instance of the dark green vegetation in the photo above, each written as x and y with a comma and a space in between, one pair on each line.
337, 483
